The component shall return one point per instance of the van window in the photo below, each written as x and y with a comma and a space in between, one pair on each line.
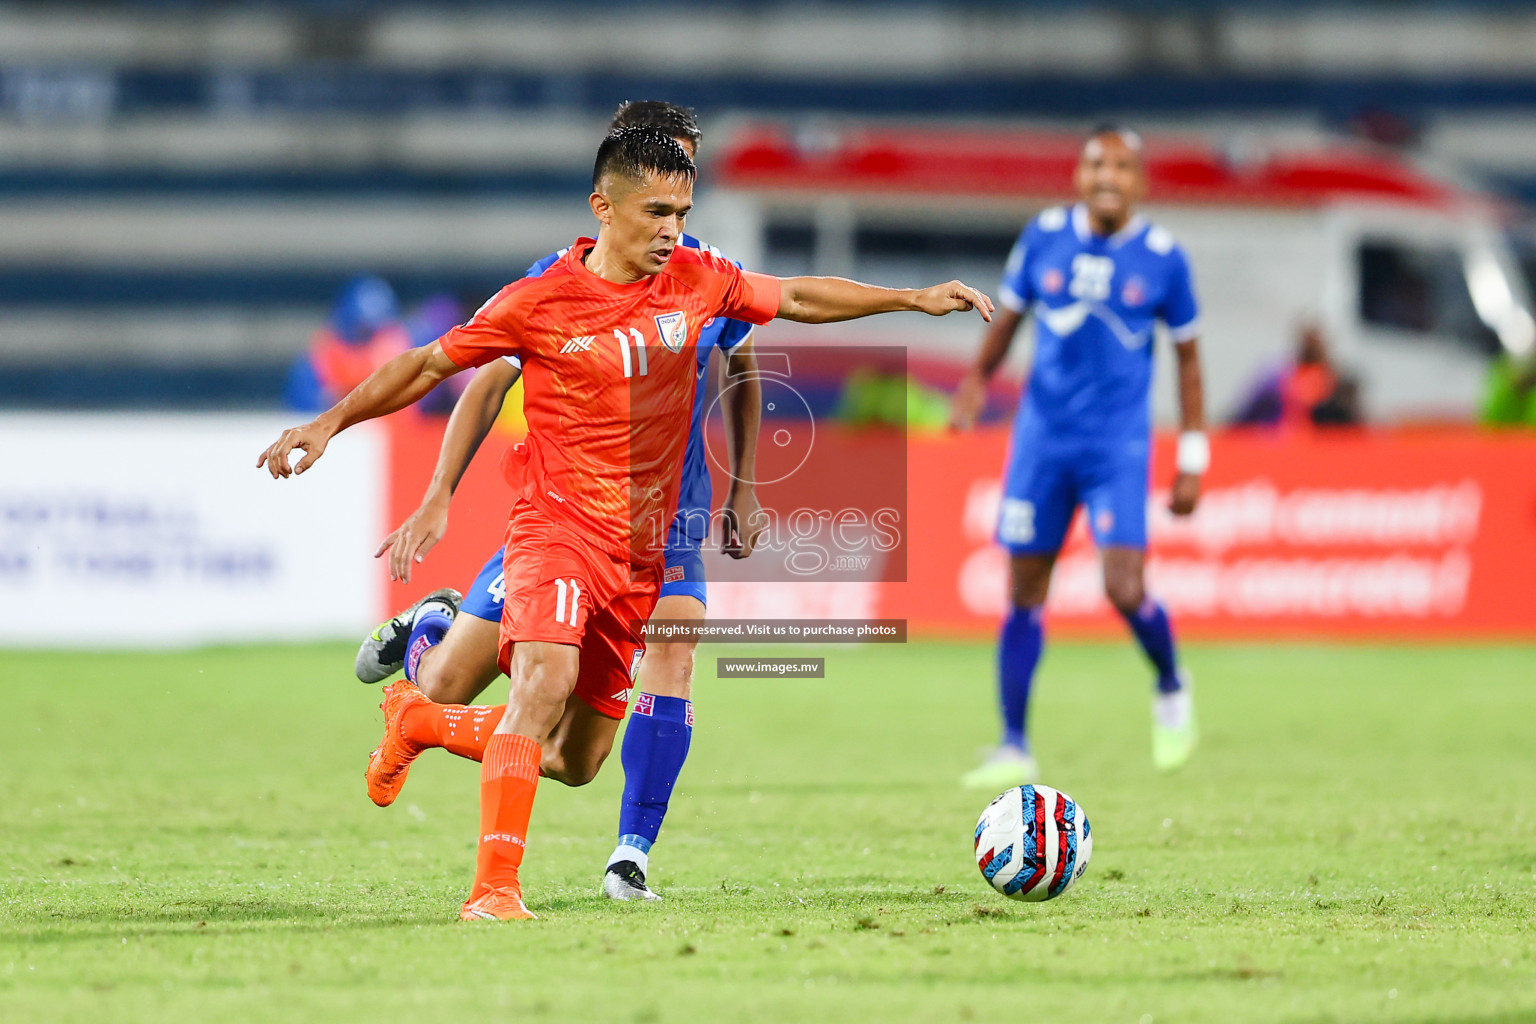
882, 246
1525, 254
1420, 289
937, 243
789, 247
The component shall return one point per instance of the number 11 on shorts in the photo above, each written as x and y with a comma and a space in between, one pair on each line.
561, 588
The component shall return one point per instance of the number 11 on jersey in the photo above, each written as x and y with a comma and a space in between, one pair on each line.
639, 356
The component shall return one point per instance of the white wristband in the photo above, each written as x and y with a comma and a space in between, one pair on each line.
1194, 452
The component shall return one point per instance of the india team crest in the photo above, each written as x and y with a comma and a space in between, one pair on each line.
673, 328
1051, 281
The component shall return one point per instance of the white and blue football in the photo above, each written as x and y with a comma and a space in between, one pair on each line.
1032, 843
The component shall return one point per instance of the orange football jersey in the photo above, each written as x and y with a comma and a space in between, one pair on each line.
608, 379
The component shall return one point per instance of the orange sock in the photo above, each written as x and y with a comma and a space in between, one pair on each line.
509, 778
462, 729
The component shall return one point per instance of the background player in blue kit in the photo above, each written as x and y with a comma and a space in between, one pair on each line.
1096, 277
449, 648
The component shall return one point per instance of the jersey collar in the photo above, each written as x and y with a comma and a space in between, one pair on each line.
1132, 228
577, 253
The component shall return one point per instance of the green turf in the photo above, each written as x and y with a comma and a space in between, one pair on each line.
185, 837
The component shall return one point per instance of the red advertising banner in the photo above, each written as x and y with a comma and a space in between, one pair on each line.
1330, 534
1339, 534
476, 522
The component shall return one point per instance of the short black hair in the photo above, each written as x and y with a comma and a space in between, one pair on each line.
635, 152
1130, 136
678, 122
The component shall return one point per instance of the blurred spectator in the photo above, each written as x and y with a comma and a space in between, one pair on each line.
432, 318
1510, 397
1307, 391
872, 398
363, 334
1392, 128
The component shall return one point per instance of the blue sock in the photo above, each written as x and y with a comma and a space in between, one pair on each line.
1155, 634
432, 622
655, 747
1018, 652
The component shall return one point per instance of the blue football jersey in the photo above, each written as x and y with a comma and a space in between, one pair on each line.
1095, 302
694, 499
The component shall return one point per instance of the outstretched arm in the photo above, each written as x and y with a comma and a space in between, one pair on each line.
1194, 453
404, 379
473, 414
971, 395
825, 300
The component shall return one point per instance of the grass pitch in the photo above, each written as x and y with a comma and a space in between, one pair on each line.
186, 837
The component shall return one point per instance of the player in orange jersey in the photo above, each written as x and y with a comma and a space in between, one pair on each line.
605, 337
451, 653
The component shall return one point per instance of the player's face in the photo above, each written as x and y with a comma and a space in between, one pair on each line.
1110, 178
643, 221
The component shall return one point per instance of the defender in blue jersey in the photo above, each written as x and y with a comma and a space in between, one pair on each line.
1097, 278
447, 645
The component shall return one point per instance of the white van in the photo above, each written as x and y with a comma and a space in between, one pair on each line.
1410, 275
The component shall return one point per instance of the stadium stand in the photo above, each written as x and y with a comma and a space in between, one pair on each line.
184, 186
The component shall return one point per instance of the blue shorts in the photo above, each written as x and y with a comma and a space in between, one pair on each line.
1043, 490
489, 590
683, 575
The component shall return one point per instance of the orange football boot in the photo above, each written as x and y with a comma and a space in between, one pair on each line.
391, 759
496, 904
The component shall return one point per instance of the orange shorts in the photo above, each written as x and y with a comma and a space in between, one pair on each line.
560, 589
